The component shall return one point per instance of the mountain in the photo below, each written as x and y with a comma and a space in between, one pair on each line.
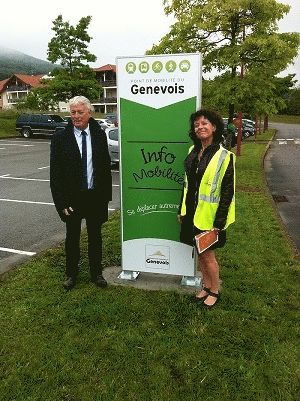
15, 62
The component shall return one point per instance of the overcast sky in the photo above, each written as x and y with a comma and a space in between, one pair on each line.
118, 27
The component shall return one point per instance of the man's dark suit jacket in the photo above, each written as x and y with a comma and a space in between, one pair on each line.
66, 170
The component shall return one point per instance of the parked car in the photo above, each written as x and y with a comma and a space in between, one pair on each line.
247, 130
104, 123
67, 118
112, 118
29, 124
112, 135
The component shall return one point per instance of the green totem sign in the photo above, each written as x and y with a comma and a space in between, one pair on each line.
156, 96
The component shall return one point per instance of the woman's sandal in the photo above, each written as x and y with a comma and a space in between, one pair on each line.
201, 299
215, 295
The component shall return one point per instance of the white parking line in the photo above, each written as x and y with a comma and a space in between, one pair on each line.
14, 144
25, 142
8, 177
2, 148
36, 203
41, 168
283, 141
22, 201
17, 251
20, 141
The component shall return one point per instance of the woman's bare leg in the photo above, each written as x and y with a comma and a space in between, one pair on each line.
205, 275
212, 278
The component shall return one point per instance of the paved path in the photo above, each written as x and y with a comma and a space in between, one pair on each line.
282, 166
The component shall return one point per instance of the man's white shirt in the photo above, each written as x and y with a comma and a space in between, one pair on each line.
78, 137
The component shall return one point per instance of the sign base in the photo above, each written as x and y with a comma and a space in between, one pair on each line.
191, 281
128, 275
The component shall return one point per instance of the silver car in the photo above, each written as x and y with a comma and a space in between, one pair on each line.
112, 135
104, 123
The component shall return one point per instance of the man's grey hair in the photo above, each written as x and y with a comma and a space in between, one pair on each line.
81, 100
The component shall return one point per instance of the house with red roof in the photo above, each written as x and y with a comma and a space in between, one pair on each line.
16, 88
107, 77
2, 86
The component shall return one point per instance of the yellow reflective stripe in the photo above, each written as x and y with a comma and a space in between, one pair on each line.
214, 168
212, 199
209, 199
218, 169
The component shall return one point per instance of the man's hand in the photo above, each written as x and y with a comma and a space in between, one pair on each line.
68, 211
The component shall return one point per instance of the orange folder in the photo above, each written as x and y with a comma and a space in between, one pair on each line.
205, 240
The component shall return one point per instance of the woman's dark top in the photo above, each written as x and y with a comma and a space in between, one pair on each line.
194, 170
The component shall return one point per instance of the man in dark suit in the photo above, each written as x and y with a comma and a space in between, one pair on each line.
81, 186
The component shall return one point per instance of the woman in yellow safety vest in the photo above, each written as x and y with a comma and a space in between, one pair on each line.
208, 201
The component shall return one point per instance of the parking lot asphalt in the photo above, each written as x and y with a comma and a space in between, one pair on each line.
29, 221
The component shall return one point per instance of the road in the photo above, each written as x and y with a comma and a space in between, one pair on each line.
29, 222
282, 166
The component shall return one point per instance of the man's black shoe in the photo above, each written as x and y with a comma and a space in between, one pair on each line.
100, 281
69, 283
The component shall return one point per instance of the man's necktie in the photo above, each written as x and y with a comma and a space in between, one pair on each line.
84, 161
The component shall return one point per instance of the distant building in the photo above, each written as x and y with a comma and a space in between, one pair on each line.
16, 88
107, 77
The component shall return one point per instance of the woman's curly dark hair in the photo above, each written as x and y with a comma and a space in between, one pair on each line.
213, 117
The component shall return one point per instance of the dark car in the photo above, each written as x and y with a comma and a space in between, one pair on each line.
29, 124
248, 128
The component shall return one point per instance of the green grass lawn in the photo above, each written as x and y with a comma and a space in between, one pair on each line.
8, 123
285, 119
127, 344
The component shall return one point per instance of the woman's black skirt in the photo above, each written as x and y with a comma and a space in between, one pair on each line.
188, 232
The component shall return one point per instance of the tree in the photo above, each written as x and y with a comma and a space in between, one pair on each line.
38, 99
293, 102
231, 34
69, 47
